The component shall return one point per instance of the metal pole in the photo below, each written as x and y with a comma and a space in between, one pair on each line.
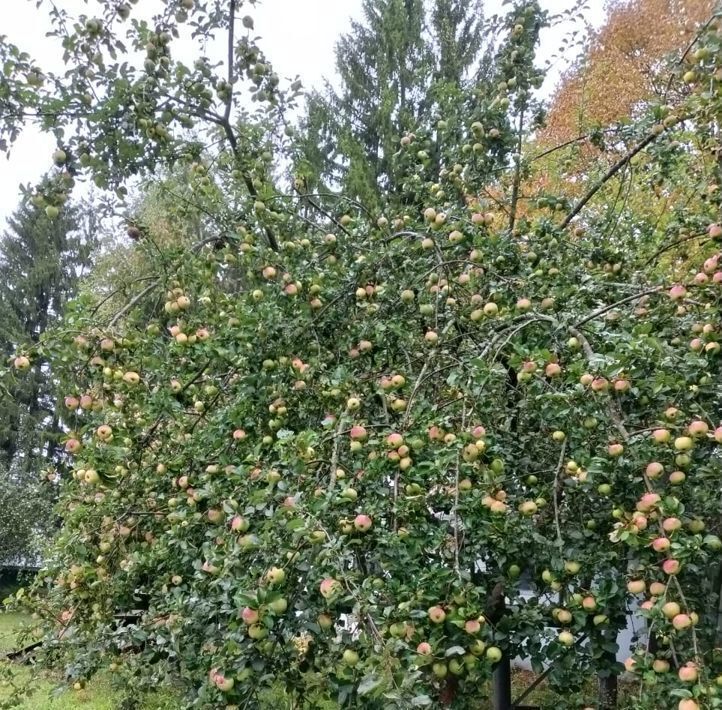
501, 685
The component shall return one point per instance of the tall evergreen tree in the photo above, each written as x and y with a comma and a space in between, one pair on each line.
407, 64
41, 262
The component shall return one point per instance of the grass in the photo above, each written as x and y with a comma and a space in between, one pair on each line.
48, 692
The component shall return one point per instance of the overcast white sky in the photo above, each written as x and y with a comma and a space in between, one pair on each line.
298, 36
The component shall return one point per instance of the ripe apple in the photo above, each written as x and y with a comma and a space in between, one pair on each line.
362, 523
424, 649
698, 428
21, 363
565, 638
431, 337
329, 588
671, 524
688, 673
528, 507
436, 615
681, 622
636, 586
104, 432
661, 436
249, 616
671, 566
589, 603
648, 502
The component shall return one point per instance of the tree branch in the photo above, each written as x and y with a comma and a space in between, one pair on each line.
607, 176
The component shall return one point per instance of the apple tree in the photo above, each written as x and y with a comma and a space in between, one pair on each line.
362, 457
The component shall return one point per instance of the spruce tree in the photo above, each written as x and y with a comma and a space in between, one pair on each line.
41, 262
403, 67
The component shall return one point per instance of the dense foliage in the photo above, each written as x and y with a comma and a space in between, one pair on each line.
358, 456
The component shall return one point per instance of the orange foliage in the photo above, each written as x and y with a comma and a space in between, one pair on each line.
621, 66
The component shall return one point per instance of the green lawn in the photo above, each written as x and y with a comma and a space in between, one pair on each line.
49, 693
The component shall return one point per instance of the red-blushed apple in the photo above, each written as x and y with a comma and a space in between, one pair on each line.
436, 615
329, 588
239, 523
661, 436
676, 478
698, 428
72, 446
394, 440
681, 622
615, 450
362, 523
688, 673
472, 626
715, 231
630, 665
358, 433
661, 544
654, 470
249, 616
424, 649
671, 566
71, 403
671, 524
589, 603
600, 384
688, 704
677, 292
220, 681
649, 501
553, 369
